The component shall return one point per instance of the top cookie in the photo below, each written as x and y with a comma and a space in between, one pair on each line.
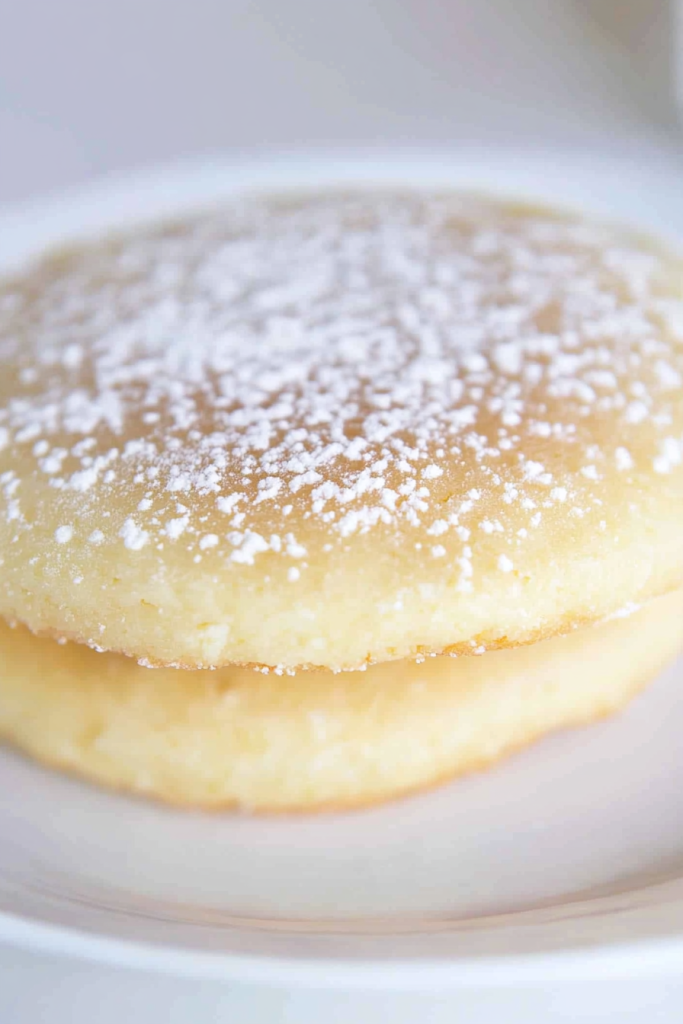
334, 429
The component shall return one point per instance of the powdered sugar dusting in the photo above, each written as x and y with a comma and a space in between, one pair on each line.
357, 362
133, 536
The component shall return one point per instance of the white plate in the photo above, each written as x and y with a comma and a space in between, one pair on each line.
564, 861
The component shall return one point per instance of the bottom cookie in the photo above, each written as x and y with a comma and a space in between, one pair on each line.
315, 740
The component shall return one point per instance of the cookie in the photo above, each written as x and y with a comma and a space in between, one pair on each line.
317, 739
333, 430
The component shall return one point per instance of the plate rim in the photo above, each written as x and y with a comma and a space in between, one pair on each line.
136, 196
649, 959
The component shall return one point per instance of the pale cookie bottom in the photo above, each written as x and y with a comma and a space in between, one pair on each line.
277, 743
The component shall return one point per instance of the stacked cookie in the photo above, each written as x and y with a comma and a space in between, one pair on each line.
315, 500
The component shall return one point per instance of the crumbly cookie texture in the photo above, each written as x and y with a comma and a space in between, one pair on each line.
336, 429
231, 737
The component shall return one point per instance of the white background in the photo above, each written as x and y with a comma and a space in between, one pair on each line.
89, 87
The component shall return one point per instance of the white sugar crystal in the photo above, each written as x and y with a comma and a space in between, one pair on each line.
209, 540
623, 459
226, 503
134, 538
636, 412
251, 544
668, 376
176, 527
670, 455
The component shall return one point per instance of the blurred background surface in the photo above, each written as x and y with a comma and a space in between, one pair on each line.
87, 88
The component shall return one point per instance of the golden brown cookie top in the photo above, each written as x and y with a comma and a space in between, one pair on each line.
340, 428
